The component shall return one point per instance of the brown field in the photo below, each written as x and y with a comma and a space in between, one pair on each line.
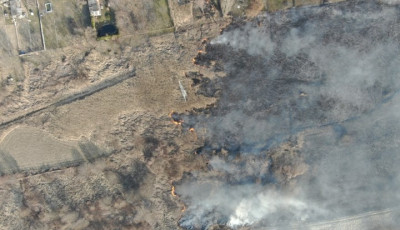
32, 148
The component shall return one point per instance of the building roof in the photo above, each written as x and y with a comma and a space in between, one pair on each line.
94, 5
16, 8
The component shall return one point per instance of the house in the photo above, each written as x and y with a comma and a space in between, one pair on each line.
16, 8
94, 8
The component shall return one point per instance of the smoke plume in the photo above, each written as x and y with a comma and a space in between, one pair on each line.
306, 126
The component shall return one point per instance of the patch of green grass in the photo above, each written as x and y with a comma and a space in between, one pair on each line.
274, 5
163, 13
161, 31
66, 21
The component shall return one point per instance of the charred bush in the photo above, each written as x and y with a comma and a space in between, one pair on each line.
133, 175
196, 77
176, 117
151, 145
209, 88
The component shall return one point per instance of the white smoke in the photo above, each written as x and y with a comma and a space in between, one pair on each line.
254, 209
391, 2
254, 40
344, 104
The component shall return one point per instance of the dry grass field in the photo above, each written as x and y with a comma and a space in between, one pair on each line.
27, 148
32, 148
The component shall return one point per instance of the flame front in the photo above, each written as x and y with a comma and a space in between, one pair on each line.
175, 121
173, 191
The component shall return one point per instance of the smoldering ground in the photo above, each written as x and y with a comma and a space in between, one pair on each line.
306, 126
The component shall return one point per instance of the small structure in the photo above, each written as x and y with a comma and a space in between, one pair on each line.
49, 7
94, 8
16, 8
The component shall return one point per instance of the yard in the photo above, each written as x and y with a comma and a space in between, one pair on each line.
65, 23
142, 16
29, 38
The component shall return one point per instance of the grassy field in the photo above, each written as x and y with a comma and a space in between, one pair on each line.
142, 16
67, 21
163, 16
307, 2
274, 5
29, 35
30, 148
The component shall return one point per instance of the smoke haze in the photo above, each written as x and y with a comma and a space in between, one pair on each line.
306, 128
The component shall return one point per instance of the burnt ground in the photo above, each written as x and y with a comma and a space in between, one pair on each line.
303, 100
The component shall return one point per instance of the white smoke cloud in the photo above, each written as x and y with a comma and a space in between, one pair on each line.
344, 104
391, 2
253, 209
254, 40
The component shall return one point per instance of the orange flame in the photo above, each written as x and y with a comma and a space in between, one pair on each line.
173, 191
191, 130
176, 122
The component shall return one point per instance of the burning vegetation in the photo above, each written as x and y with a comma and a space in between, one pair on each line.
295, 85
173, 191
176, 118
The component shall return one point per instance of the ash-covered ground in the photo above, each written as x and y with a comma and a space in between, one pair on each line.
306, 127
